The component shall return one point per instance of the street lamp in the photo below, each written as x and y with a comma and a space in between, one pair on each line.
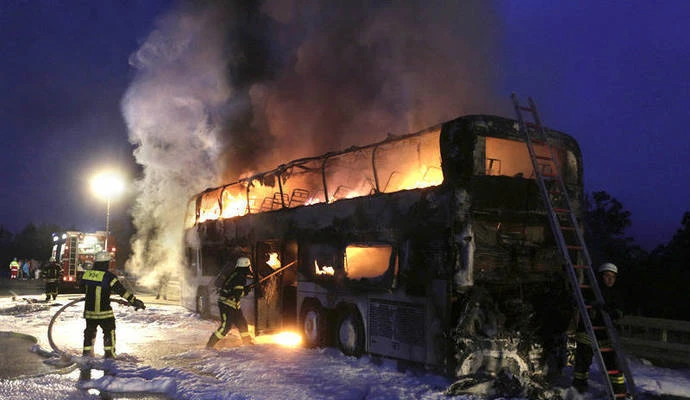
107, 185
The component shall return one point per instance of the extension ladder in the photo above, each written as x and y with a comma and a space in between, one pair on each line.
570, 240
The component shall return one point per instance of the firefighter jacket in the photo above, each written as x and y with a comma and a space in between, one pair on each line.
99, 284
233, 288
51, 272
613, 305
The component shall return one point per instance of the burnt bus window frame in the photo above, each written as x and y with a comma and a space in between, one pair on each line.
262, 250
385, 280
212, 258
329, 255
191, 255
333, 255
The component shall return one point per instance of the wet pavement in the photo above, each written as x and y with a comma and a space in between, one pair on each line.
19, 287
19, 360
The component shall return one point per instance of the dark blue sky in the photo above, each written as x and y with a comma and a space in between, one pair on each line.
616, 76
64, 71
612, 74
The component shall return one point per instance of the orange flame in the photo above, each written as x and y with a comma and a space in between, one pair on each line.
325, 270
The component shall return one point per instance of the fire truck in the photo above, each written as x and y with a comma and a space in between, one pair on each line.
75, 251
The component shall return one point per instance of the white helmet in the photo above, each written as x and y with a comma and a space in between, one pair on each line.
608, 267
102, 257
52, 259
243, 262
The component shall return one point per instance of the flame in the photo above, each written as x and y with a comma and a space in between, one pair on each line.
273, 261
286, 339
325, 270
236, 205
346, 175
233, 206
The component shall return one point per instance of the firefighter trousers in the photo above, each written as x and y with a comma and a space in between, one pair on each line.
108, 327
51, 290
583, 361
231, 316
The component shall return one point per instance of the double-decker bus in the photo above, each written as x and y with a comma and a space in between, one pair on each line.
432, 247
75, 252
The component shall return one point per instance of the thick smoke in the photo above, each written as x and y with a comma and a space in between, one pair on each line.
224, 90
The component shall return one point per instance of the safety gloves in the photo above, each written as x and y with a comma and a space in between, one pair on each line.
138, 304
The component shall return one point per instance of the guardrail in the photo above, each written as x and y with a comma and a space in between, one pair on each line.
660, 340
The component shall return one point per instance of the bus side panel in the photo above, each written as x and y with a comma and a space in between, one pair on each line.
397, 329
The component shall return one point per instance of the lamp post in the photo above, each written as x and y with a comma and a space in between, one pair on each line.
107, 185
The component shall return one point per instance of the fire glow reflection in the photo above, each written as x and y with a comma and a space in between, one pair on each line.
400, 163
286, 339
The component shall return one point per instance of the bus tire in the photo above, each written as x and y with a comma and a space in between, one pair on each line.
350, 335
314, 324
203, 308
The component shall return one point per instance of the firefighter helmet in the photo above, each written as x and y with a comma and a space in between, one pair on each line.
243, 262
102, 257
608, 267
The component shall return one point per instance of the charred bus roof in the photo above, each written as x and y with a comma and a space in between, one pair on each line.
452, 151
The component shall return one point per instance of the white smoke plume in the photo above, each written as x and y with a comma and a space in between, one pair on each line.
227, 88
172, 109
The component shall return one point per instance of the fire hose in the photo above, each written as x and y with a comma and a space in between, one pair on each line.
58, 312
281, 269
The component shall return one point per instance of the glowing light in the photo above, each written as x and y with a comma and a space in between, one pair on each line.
107, 185
286, 339
231, 201
273, 261
325, 270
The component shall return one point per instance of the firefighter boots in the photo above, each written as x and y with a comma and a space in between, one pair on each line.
85, 374
212, 341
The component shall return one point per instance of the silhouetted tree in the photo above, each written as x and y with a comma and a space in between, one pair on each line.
606, 221
668, 276
6, 238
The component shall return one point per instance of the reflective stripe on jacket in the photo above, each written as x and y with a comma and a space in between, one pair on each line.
233, 288
99, 285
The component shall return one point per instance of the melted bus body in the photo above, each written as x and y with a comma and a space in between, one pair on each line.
432, 247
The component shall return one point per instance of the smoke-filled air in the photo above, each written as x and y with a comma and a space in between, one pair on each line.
229, 88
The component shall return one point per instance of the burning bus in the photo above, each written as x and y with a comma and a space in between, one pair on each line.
75, 252
432, 247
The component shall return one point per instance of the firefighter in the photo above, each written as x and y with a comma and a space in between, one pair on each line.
583, 354
231, 289
162, 290
51, 274
99, 283
14, 268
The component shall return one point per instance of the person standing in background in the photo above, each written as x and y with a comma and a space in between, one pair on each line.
14, 268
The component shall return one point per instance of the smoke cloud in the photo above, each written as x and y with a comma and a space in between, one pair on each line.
225, 89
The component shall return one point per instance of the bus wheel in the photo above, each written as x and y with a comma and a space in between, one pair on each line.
350, 333
314, 324
203, 308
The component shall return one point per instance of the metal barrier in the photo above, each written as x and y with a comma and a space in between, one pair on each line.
660, 340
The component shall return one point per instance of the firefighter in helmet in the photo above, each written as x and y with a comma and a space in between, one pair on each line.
613, 302
99, 283
231, 288
51, 275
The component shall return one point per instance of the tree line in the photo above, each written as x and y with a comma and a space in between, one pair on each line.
32, 242
657, 283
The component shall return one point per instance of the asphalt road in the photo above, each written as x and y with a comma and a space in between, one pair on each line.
10, 287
